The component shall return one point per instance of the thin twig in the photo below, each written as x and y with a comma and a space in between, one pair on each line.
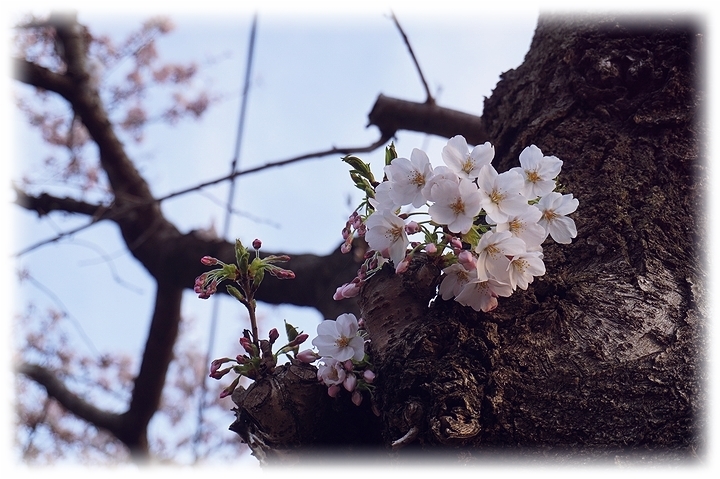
116, 213
332, 151
430, 98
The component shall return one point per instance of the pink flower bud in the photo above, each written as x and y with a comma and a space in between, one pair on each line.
215, 365
333, 390
345, 248
403, 265
219, 373
369, 376
257, 244
209, 261
455, 242
430, 248
412, 227
273, 335
347, 290
350, 383
299, 339
280, 273
348, 365
307, 356
247, 345
356, 220
361, 323
356, 398
467, 259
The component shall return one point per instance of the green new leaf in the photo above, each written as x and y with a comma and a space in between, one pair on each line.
472, 237
390, 153
241, 256
234, 292
291, 332
258, 277
360, 168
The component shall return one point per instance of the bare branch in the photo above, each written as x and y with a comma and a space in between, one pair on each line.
157, 355
69, 400
392, 114
40, 77
54, 239
430, 100
45, 203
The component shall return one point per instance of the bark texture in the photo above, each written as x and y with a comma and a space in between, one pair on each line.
601, 358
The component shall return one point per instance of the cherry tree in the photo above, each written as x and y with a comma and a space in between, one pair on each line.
596, 355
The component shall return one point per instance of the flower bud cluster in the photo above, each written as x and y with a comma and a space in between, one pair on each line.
486, 227
258, 358
343, 364
244, 278
247, 275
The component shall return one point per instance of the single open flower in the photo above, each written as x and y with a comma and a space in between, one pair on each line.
554, 207
466, 165
501, 194
386, 231
331, 372
456, 204
339, 339
538, 172
408, 177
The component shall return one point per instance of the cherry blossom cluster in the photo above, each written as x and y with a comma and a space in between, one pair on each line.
487, 227
342, 361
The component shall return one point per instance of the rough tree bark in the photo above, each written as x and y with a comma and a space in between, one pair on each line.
601, 358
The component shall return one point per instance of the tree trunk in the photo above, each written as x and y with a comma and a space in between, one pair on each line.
602, 357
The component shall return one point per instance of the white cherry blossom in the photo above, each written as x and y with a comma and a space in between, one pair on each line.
440, 174
383, 200
456, 277
553, 208
331, 372
493, 251
482, 295
339, 339
456, 205
500, 194
525, 226
408, 177
524, 267
466, 165
386, 231
538, 172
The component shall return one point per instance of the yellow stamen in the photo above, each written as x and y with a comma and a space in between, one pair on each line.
532, 176
496, 197
458, 207
417, 179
